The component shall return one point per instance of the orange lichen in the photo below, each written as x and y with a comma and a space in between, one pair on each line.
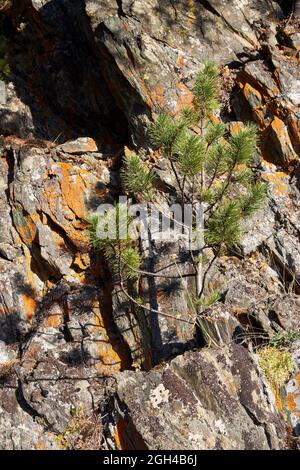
66, 203
73, 188
279, 182
290, 402
158, 95
185, 98
278, 400
26, 226
236, 127
278, 126
29, 305
40, 445
82, 261
108, 358
54, 320
280, 129
180, 61
120, 437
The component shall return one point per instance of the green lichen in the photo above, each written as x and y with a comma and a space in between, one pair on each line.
276, 364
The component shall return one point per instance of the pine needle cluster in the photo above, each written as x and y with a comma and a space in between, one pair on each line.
206, 90
137, 177
118, 247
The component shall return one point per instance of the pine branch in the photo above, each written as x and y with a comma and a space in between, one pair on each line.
206, 90
189, 154
254, 200
214, 133
243, 145
137, 178
223, 227
165, 131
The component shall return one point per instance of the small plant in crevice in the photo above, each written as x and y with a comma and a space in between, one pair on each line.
284, 339
211, 170
83, 431
277, 365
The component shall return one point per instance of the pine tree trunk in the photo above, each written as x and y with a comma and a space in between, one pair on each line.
297, 8
199, 280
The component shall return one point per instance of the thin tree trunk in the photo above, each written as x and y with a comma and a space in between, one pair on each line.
199, 278
200, 262
297, 8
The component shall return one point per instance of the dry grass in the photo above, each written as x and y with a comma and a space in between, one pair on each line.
7, 367
84, 432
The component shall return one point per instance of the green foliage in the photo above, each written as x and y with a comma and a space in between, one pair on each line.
136, 177
276, 364
138, 300
214, 132
206, 90
131, 262
190, 152
209, 167
165, 131
217, 159
208, 301
118, 248
284, 339
254, 200
108, 229
92, 222
224, 225
188, 116
243, 145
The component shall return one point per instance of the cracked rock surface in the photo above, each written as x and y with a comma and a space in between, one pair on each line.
210, 399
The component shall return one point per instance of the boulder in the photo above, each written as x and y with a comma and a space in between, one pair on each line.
79, 146
209, 399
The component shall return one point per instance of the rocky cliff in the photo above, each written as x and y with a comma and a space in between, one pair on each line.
80, 367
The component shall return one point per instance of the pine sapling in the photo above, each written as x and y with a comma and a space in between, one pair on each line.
211, 168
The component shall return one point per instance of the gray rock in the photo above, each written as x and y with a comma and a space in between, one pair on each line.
211, 399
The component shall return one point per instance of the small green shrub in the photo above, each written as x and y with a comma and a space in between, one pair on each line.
276, 364
284, 339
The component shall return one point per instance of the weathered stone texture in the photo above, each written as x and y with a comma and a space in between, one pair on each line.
212, 399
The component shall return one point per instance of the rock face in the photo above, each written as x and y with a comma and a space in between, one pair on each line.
213, 399
143, 54
86, 78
